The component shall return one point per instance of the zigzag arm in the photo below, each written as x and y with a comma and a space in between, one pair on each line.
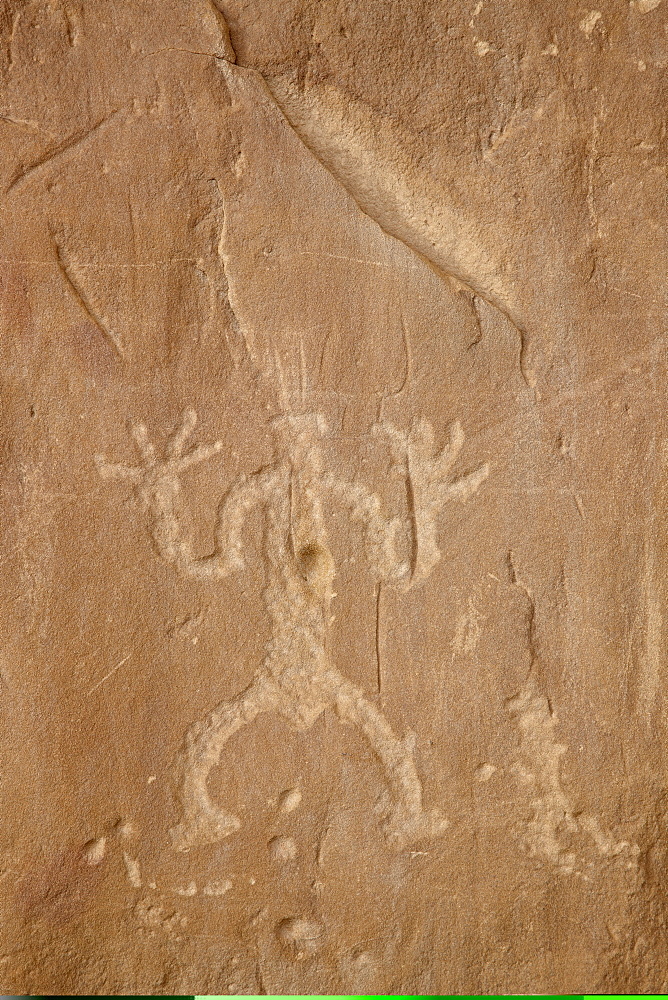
243, 496
380, 531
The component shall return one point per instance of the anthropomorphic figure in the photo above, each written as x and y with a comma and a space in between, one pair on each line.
297, 679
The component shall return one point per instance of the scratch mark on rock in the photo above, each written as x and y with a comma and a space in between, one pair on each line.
191, 52
236, 323
325, 345
650, 671
578, 505
85, 304
526, 371
408, 366
25, 123
10, 44
67, 145
112, 671
73, 30
592, 163
339, 256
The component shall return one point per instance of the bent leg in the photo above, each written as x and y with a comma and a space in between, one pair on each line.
202, 821
406, 819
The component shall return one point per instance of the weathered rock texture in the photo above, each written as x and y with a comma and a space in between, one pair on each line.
359, 684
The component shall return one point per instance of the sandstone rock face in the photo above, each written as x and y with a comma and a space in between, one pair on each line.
334, 469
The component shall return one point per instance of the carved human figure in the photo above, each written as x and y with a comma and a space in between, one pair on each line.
297, 679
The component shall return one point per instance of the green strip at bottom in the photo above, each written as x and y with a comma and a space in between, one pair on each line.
362, 996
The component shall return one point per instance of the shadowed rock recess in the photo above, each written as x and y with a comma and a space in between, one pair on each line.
334, 484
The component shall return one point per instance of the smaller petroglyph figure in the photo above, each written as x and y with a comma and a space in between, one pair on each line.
297, 679
539, 772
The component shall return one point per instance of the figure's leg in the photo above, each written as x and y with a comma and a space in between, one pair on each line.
406, 821
202, 821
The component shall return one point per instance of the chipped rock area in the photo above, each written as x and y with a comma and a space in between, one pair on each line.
334, 474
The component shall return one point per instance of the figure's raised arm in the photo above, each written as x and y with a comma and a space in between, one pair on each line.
382, 534
429, 485
158, 486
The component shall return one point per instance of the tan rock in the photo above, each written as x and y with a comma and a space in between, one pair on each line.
334, 454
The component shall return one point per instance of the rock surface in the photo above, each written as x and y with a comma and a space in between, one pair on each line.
334, 470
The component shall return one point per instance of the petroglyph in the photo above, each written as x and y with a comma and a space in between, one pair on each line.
151, 913
428, 489
590, 21
154, 918
186, 890
644, 6
484, 772
126, 830
289, 800
296, 679
538, 771
282, 849
218, 887
95, 850
133, 870
300, 936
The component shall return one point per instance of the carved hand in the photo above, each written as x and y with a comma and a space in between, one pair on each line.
427, 474
157, 481
153, 470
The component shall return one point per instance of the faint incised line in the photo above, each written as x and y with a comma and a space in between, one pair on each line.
65, 146
408, 366
337, 256
85, 304
191, 52
102, 264
26, 123
112, 671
